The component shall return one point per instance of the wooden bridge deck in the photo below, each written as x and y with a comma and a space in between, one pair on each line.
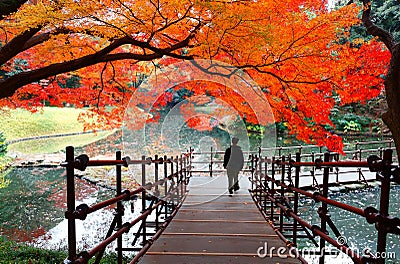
212, 227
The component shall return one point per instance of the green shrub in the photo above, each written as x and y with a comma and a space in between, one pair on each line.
352, 126
13, 253
3, 181
3, 145
350, 122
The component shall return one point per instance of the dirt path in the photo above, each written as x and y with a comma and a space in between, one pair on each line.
49, 159
52, 159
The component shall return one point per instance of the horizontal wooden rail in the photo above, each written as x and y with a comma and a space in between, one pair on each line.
319, 164
173, 184
84, 257
156, 236
318, 231
318, 197
277, 180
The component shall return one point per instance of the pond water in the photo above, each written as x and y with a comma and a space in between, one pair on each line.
33, 205
354, 229
35, 201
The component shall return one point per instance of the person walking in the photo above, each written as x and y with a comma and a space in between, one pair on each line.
233, 163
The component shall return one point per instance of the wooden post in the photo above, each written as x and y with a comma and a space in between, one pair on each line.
384, 203
144, 237
165, 186
324, 208
71, 203
282, 194
120, 207
296, 197
156, 189
272, 187
211, 162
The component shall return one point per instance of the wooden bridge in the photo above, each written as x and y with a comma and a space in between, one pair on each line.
188, 217
212, 227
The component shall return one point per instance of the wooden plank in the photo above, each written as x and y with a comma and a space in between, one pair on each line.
218, 210
218, 227
223, 220
192, 259
217, 254
218, 234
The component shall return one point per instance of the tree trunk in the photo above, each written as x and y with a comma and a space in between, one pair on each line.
392, 81
392, 88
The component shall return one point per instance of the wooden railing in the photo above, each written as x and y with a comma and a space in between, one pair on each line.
168, 190
276, 189
276, 198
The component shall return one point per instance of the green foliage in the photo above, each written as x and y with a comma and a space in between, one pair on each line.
385, 14
3, 181
72, 82
351, 122
255, 133
3, 145
280, 127
376, 127
4, 165
20, 65
352, 126
255, 128
13, 253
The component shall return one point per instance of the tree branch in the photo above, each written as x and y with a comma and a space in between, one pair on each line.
11, 84
374, 30
9, 6
16, 45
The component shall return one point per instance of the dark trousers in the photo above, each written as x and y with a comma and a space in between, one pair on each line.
232, 177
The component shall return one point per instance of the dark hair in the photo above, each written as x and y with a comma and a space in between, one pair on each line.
235, 140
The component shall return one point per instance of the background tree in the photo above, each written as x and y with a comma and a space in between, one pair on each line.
385, 14
290, 48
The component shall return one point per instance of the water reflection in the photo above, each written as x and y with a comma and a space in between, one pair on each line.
359, 234
35, 201
33, 206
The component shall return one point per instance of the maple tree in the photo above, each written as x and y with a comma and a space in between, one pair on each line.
289, 48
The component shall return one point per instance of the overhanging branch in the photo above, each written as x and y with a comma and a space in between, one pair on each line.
16, 45
373, 29
9, 6
11, 84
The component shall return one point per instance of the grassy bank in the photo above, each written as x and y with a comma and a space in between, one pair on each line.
13, 253
17, 124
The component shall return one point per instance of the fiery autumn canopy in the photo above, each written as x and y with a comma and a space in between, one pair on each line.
96, 55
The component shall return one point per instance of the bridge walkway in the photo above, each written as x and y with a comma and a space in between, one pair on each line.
212, 227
